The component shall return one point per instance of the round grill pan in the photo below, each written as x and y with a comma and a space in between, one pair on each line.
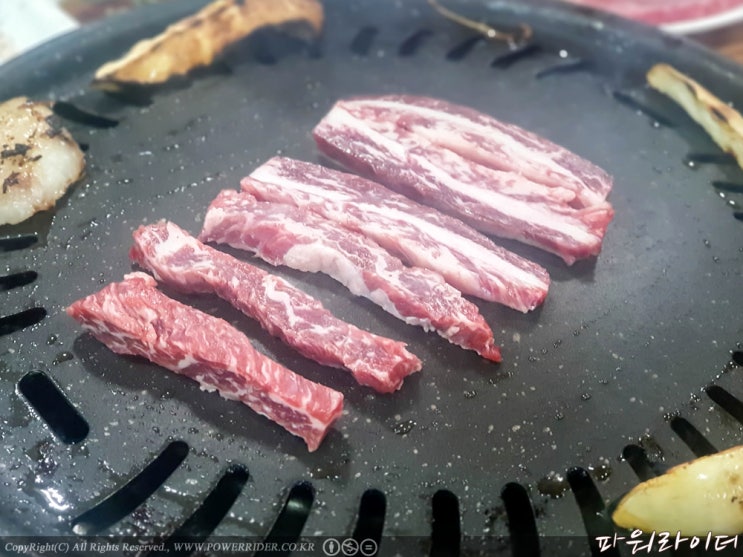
630, 366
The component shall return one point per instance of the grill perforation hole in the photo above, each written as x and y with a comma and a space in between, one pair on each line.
131, 495
363, 41
21, 241
592, 508
728, 187
738, 215
737, 357
53, 407
411, 45
370, 522
73, 113
692, 160
522, 524
446, 531
638, 460
566, 67
210, 513
509, 58
21, 320
16, 280
292, 518
692, 437
461, 51
629, 100
731, 404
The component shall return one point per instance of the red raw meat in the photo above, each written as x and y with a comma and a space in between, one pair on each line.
370, 136
133, 317
286, 235
301, 321
419, 235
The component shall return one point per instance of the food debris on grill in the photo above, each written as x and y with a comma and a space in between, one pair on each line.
694, 498
722, 122
197, 40
38, 162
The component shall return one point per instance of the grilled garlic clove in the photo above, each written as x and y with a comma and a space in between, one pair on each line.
695, 498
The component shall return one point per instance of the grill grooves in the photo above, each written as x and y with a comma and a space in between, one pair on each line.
293, 516
132, 494
204, 520
592, 508
445, 524
18, 242
16, 280
522, 525
53, 407
692, 437
21, 320
446, 529
370, 521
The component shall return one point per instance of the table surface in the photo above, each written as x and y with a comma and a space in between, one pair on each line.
727, 41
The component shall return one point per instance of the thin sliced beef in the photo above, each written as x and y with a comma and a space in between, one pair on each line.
181, 261
487, 199
491, 143
133, 317
419, 235
286, 235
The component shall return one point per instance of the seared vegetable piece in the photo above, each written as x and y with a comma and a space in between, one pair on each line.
196, 40
38, 162
722, 122
695, 498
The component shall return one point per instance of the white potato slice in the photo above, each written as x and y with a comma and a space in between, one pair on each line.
722, 122
37, 161
196, 40
695, 498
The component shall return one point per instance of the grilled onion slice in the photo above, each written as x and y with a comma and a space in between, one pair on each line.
196, 40
695, 498
38, 162
722, 122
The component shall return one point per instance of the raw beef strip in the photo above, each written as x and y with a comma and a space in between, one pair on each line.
133, 317
286, 235
451, 183
181, 261
419, 235
491, 143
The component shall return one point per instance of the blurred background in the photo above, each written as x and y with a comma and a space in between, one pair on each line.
717, 24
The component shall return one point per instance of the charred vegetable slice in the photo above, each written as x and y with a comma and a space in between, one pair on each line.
196, 40
695, 498
722, 122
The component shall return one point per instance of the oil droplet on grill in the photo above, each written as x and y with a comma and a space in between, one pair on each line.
601, 471
553, 485
63, 357
403, 428
559, 416
585, 396
470, 394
